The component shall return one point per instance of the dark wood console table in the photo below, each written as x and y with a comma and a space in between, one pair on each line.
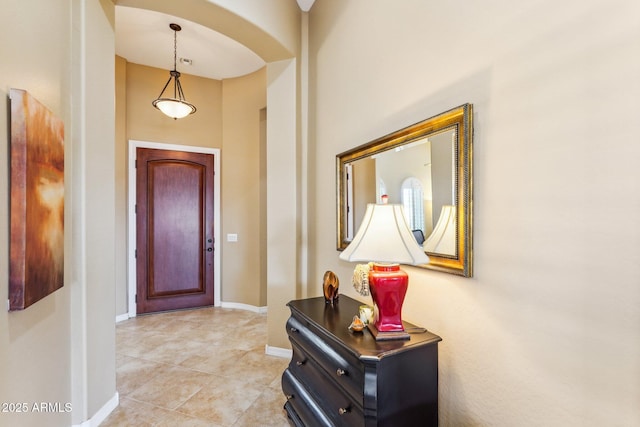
341, 378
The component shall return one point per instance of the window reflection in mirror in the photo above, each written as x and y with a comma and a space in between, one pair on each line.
416, 206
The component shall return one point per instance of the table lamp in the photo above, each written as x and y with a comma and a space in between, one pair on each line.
384, 238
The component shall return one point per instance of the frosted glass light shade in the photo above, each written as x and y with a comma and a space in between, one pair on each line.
174, 108
384, 236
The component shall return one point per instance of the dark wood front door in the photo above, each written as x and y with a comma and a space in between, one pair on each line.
174, 214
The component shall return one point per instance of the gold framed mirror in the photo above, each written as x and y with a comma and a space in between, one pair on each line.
427, 167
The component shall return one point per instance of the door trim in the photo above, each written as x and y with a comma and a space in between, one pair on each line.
131, 215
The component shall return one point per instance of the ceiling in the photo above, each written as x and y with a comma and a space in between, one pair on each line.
144, 37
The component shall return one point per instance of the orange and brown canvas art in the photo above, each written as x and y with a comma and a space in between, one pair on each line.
36, 267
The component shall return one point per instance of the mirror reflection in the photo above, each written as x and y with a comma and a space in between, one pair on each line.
426, 168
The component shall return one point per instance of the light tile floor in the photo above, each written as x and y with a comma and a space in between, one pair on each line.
204, 367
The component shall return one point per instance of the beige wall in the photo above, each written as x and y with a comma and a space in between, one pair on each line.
34, 343
283, 195
242, 201
62, 349
121, 151
93, 302
546, 332
145, 123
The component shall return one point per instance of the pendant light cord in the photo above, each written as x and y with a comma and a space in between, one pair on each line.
175, 49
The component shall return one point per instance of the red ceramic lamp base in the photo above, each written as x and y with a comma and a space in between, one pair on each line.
388, 285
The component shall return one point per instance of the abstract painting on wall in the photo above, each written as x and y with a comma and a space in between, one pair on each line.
36, 264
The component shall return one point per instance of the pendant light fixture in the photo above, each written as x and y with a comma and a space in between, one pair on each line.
176, 107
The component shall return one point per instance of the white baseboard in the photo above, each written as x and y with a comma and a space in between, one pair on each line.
102, 413
234, 305
240, 306
285, 353
122, 317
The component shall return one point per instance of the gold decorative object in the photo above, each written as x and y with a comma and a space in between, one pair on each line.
330, 285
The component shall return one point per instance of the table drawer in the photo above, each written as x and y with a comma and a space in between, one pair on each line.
346, 371
302, 403
340, 406
340, 409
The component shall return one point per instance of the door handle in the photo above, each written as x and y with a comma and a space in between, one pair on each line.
209, 249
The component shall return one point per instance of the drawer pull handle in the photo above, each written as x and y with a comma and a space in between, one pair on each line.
343, 411
341, 372
300, 362
294, 330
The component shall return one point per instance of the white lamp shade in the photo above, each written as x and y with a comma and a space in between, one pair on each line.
174, 108
384, 236
443, 238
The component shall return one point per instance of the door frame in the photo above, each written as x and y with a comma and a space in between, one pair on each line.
132, 223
